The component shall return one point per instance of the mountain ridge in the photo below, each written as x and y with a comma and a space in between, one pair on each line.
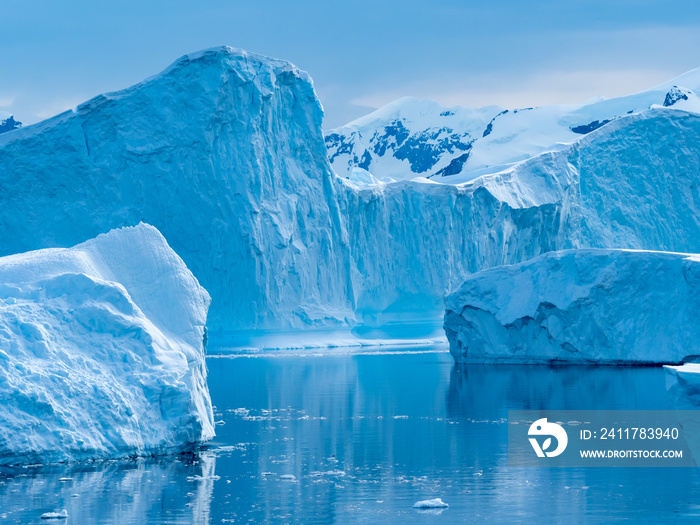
456, 151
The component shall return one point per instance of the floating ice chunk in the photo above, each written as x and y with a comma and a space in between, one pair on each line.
59, 515
683, 385
435, 503
203, 478
101, 351
336, 473
588, 305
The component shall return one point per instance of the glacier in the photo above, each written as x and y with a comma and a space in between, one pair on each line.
101, 351
585, 306
418, 137
223, 152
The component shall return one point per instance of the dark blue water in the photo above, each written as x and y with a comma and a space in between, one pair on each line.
359, 439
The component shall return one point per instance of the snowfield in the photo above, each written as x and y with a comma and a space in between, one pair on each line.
101, 351
597, 306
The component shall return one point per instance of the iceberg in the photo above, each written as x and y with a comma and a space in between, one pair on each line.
683, 383
683, 388
101, 351
413, 241
588, 305
223, 153
435, 503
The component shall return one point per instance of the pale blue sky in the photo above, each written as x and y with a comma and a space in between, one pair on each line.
361, 54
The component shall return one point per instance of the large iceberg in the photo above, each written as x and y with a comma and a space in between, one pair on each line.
601, 306
632, 184
101, 351
223, 152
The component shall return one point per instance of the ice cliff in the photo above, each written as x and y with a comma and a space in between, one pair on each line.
223, 153
619, 187
599, 306
101, 351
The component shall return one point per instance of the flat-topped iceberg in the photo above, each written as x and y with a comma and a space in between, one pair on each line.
602, 306
101, 351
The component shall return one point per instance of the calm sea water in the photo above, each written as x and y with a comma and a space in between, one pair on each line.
359, 439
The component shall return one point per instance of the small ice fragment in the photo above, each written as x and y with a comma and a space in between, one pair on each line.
202, 478
435, 503
60, 515
66, 479
288, 477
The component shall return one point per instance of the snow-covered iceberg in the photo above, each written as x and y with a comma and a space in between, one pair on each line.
683, 388
683, 383
223, 152
101, 351
602, 306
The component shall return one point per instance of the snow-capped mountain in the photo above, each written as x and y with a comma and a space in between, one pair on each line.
412, 137
8, 122
407, 138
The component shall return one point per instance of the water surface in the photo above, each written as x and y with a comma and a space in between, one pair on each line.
359, 438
